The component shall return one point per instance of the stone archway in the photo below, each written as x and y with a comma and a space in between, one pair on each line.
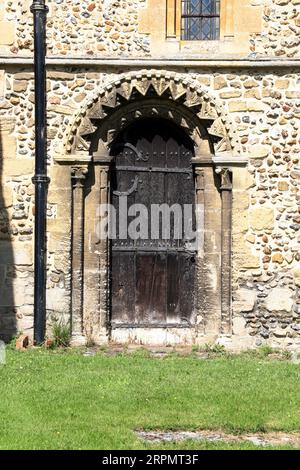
87, 144
129, 87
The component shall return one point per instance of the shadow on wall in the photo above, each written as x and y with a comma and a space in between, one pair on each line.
8, 321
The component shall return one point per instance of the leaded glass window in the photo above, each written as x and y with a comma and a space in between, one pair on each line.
200, 20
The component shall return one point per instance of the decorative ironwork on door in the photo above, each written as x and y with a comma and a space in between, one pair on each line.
152, 277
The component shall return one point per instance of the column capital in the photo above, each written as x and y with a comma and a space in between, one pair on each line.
226, 178
199, 172
78, 175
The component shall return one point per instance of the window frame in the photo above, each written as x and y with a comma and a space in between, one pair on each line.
187, 18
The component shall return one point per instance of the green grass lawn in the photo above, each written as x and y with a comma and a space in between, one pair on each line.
64, 400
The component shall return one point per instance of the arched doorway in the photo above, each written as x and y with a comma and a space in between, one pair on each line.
153, 250
89, 149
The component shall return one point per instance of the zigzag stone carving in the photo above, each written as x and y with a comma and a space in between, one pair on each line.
172, 86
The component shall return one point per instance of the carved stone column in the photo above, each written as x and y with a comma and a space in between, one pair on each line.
78, 174
226, 192
104, 261
102, 163
200, 219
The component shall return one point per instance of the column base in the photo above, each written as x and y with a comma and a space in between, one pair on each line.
77, 340
102, 338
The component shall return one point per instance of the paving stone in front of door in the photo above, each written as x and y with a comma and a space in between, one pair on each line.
259, 439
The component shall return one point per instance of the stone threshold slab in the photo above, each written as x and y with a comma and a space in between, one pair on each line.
259, 439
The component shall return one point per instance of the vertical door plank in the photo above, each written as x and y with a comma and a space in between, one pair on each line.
123, 287
173, 288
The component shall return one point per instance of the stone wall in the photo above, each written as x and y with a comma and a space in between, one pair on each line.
80, 28
265, 110
281, 29
263, 105
119, 28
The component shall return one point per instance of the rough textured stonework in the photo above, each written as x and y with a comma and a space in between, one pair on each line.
252, 113
281, 29
115, 28
80, 28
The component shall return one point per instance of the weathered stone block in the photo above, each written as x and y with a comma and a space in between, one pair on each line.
57, 300
23, 76
252, 93
243, 258
283, 186
17, 167
245, 300
7, 196
249, 16
220, 82
250, 83
278, 258
57, 75
7, 124
17, 292
282, 83
2, 84
242, 181
259, 151
25, 324
240, 221
62, 262
280, 299
293, 94
8, 148
296, 275
256, 106
262, 218
18, 253
230, 94
7, 33
66, 110
238, 106
20, 85
239, 326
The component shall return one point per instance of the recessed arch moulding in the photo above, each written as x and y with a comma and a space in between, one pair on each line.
181, 89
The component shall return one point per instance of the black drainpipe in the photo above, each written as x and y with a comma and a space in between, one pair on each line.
40, 179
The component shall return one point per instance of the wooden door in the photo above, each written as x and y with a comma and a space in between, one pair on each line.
152, 278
